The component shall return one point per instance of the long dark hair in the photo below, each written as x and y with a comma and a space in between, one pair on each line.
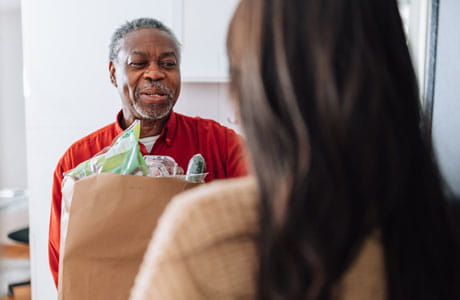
329, 104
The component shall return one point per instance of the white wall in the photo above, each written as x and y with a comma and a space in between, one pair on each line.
446, 120
13, 175
68, 94
12, 126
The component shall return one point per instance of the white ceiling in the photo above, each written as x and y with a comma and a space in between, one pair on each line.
9, 4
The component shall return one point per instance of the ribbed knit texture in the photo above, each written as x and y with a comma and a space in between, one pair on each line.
205, 248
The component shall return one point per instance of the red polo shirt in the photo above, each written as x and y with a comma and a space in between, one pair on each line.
181, 138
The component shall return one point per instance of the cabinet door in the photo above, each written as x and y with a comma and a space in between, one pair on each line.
165, 12
203, 34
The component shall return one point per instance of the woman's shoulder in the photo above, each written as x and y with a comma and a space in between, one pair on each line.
242, 190
205, 240
232, 194
215, 211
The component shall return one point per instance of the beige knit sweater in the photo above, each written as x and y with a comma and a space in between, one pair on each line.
204, 248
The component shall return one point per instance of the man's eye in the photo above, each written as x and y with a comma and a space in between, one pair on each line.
137, 63
168, 64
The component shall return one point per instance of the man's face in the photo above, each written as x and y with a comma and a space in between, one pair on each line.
146, 74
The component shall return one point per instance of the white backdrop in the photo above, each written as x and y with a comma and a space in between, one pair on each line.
12, 126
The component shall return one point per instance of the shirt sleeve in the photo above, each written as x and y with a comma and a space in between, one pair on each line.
55, 220
237, 160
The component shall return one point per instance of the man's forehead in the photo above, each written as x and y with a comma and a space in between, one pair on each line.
148, 41
148, 37
166, 53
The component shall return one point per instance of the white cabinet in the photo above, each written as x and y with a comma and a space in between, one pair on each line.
168, 12
208, 100
201, 26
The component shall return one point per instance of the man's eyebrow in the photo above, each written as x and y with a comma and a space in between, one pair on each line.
139, 53
168, 54
162, 55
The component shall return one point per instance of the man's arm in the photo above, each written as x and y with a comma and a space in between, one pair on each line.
55, 222
237, 164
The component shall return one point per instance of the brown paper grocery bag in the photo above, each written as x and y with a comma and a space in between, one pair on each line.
112, 219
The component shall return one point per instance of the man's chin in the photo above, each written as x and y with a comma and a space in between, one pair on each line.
153, 112
154, 115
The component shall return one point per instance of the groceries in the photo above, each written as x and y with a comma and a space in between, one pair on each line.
124, 157
108, 218
195, 169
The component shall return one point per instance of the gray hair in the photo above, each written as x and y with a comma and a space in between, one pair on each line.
129, 26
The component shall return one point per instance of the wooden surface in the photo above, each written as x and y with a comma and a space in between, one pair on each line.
20, 293
16, 251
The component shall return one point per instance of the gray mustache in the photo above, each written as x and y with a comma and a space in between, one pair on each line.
157, 85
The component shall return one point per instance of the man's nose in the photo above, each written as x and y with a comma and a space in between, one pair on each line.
154, 73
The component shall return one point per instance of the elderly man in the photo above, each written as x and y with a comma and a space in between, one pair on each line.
144, 67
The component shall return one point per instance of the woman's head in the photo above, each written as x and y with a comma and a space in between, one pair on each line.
330, 73
329, 105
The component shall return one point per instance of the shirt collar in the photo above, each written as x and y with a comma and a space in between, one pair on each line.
118, 122
167, 133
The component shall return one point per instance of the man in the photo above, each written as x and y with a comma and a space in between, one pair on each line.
144, 67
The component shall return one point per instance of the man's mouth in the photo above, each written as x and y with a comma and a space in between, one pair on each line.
153, 95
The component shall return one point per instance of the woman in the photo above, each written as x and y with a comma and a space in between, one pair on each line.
347, 201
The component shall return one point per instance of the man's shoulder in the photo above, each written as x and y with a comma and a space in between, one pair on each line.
102, 135
89, 145
202, 123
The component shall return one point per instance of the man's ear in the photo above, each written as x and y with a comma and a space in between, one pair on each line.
112, 71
